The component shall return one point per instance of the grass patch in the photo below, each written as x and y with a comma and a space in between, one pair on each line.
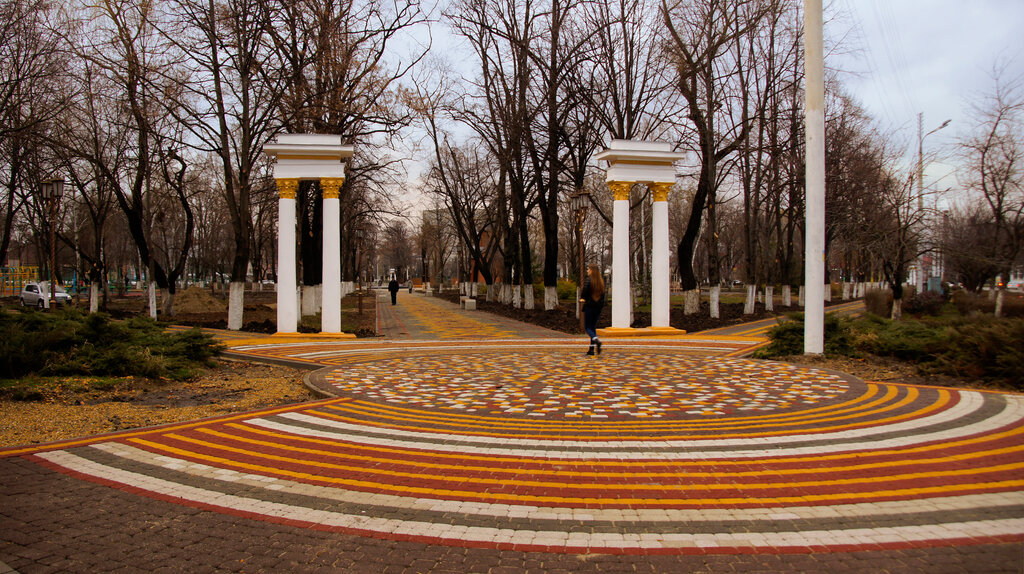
70, 343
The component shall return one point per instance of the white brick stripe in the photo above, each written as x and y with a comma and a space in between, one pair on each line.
459, 533
655, 515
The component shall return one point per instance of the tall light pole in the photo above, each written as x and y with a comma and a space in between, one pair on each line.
814, 242
51, 191
920, 191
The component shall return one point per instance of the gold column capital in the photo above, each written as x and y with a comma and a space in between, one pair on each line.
331, 186
620, 189
660, 190
287, 188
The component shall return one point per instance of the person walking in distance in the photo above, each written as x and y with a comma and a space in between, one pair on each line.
393, 287
592, 297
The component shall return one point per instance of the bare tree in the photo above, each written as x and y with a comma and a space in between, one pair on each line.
701, 38
994, 154
966, 242
34, 89
504, 36
125, 47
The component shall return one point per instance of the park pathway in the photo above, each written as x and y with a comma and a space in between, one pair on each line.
468, 444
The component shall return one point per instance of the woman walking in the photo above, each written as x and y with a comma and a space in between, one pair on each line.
592, 297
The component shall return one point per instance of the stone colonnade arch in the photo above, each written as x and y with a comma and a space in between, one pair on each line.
649, 163
319, 158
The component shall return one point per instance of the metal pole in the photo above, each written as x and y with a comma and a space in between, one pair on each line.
53, 253
579, 288
920, 199
814, 248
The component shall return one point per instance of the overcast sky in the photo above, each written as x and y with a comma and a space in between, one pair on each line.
902, 57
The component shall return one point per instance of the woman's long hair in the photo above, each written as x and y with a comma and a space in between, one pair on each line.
596, 283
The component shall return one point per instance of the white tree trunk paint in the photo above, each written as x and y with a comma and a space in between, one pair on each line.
769, 298
691, 301
716, 293
748, 303
550, 298
787, 296
94, 297
152, 299
236, 305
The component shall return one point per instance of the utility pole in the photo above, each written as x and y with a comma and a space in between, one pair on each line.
920, 195
814, 247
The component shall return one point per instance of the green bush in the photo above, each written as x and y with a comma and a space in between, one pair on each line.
986, 349
72, 343
979, 348
787, 338
878, 302
971, 303
908, 340
927, 303
566, 290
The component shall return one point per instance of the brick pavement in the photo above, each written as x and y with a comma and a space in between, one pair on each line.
470, 454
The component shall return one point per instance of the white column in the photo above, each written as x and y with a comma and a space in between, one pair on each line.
330, 317
814, 249
660, 292
621, 303
287, 304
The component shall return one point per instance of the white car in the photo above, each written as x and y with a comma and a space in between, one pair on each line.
35, 295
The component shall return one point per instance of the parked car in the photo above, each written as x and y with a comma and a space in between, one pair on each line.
35, 295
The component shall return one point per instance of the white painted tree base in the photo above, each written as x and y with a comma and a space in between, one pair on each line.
94, 298
236, 305
550, 298
691, 301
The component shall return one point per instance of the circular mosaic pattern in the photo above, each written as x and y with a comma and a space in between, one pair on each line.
565, 384
423, 446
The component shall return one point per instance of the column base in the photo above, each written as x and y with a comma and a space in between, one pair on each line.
629, 332
314, 335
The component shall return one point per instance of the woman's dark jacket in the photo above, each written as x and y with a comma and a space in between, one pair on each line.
587, 296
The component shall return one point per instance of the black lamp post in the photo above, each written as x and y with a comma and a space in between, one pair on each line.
51, 191
579, 202
359, 289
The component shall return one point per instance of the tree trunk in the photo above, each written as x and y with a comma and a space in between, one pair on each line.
716, 291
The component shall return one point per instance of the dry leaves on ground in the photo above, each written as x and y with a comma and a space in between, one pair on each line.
231, 387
